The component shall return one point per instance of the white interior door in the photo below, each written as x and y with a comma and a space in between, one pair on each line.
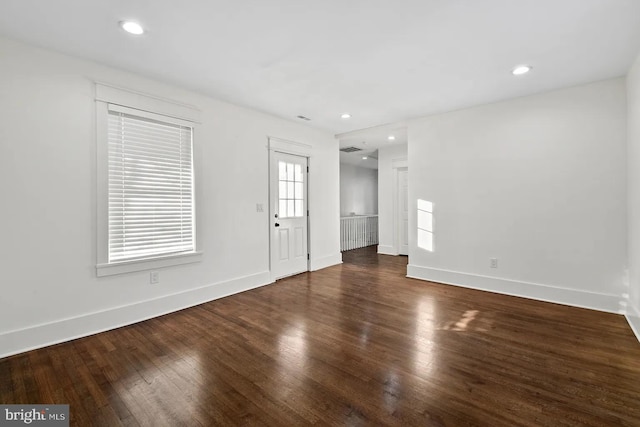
403, 211
288, 210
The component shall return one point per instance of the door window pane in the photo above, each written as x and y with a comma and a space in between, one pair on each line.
289, 171
291, 190
283, 190
282, 167
290, 194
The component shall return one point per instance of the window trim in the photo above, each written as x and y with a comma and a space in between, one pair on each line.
109, 97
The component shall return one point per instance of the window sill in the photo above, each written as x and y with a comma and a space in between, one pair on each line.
147, 264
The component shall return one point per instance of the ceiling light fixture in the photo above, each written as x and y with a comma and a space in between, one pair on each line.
391, 138
132, 27
345, 116
364, 158
521, 69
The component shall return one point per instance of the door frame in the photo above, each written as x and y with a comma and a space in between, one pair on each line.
396, 165
294, 148
398, 225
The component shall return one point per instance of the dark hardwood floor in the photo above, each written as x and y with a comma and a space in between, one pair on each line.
356, 344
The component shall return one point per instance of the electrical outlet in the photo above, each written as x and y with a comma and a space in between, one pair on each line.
493, 263
154, 277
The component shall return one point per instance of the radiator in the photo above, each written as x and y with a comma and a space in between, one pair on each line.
358, 231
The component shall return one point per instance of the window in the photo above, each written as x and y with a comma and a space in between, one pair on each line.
291, 197
150, 188
146, 197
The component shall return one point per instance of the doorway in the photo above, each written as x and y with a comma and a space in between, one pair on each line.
402, 218
288, 214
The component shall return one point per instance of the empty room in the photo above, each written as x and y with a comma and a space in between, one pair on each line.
289, 213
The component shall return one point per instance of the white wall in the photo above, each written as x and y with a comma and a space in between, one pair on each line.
358, 190
633, 156
388, 158
49, 290
538, 182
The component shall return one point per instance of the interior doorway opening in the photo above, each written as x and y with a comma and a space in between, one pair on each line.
384, 150
358, 198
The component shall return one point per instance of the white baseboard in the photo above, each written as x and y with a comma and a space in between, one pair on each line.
572, 297
327, 261
38, 336
387, 250
633, 318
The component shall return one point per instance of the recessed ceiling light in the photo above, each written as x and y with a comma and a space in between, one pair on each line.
346, 116
391, 138
521, 69
364, 158
132, 27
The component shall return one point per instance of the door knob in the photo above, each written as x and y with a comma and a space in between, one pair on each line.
277, 225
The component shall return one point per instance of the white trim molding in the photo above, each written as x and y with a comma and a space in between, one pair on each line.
289, 147
400, 162
111, 94
397, 165
324, 262
38, 336
572, 297
147, 264
633, 318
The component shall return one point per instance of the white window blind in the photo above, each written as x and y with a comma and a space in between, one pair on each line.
150, 189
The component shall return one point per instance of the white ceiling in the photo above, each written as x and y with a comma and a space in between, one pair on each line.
356, 159
369, 141
383, 61
374, 138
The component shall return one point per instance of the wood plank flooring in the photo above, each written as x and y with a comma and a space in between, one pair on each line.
356, 344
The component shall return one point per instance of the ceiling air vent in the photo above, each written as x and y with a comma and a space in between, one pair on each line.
304, 118
350, 149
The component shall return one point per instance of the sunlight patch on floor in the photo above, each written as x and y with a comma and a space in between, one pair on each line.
461, 324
